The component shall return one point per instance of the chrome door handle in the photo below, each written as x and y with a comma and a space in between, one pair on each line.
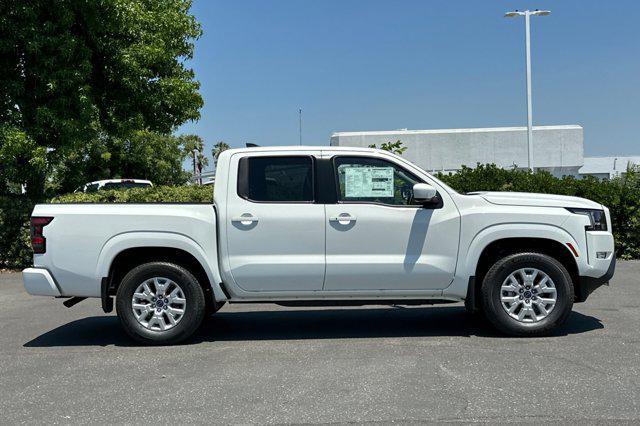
243, 219
345, 218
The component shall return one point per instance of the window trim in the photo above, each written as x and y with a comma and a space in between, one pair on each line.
377, 203
243, 179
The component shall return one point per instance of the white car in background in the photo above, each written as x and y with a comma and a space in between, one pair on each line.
107, 184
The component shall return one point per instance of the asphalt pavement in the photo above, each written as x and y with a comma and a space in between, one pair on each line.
268, 364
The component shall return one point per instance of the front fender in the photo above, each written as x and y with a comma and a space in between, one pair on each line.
128, 240
511, 230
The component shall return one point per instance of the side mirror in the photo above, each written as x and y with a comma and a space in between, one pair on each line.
423, 193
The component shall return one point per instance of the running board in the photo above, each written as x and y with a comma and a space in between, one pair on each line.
73, 301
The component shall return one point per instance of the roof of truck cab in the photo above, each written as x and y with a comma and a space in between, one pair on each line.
303, 148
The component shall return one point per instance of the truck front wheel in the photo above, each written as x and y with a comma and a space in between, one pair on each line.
160, 303
527, 294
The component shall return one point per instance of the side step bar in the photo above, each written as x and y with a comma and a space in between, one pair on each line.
73, 301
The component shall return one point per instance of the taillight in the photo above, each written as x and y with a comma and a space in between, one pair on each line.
38, 241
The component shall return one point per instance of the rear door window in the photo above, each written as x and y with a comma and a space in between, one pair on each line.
286, 179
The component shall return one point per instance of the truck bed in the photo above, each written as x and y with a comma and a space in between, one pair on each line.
82, 239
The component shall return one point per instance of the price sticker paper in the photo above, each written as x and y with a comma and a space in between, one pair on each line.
368, 182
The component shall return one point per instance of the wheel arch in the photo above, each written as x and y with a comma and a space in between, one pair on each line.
503, 247
125, 251
488, 248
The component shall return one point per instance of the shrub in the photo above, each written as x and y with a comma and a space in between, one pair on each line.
154, 194
15, 246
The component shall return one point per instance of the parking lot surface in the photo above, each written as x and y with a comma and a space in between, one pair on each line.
268, 364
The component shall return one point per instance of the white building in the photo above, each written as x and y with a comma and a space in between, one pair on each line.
607, 167
557, 149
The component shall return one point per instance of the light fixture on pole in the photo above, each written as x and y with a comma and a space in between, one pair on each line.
527, 37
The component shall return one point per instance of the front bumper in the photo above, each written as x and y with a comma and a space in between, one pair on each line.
39, 282
588, 285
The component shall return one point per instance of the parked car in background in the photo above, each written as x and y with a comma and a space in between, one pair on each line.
324, 225
114, 184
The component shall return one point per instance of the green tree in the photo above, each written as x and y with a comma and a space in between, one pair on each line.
394, 147
79, 73
142, 155
218, 149
20, 157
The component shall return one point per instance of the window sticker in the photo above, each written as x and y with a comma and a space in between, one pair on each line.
368, 182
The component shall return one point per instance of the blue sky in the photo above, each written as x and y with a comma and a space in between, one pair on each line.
380, 65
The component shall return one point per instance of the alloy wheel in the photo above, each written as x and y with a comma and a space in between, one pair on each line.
528, 295
158, 304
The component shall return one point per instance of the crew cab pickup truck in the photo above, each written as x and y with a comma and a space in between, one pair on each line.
324, 225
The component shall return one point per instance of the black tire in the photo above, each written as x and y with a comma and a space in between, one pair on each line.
497, 315
194, 311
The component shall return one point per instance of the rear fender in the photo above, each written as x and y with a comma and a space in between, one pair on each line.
206, 258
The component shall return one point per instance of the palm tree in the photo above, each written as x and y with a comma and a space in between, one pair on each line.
193, 146
217, 150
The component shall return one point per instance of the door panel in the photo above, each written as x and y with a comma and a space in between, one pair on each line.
276, 235
390, 248
398, 246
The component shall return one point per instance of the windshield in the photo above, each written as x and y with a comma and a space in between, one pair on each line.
447, 187
438, 181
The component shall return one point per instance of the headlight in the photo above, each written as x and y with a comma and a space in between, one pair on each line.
597, 218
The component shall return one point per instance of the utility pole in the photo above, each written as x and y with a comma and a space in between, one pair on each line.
527, 42
300, 124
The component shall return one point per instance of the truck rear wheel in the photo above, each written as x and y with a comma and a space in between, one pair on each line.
160, 303
527, 294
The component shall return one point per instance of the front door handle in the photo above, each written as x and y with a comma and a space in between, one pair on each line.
344, 217
245, 219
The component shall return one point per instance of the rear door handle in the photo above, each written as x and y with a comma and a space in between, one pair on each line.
342, 218
245, 218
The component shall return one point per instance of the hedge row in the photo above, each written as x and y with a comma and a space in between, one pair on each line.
621, 195
154, 194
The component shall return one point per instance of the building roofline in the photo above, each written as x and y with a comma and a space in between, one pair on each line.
619, 157
470, 130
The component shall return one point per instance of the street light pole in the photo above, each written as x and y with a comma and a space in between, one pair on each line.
527, 41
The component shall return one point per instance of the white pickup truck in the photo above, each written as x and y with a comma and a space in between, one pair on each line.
324, 225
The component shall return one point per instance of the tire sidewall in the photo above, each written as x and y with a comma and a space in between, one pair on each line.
194, 310
502, 269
